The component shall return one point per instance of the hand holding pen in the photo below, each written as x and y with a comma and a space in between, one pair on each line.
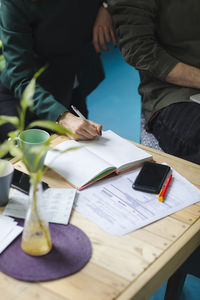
79, 114
84, 129
97, 127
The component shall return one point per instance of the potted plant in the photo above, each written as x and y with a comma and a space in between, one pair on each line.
36, 237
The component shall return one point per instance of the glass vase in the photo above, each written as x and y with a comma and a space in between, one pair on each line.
36, 239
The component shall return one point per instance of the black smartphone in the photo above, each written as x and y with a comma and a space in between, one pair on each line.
21, 182
151, 177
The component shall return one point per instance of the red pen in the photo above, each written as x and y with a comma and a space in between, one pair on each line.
164, 190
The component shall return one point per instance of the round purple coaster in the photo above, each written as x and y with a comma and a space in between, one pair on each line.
71, 251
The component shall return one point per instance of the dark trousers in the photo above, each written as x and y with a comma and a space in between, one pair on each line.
192, 264
177, 128
176, 281
9, 104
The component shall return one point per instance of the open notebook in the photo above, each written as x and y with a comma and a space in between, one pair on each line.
95, 159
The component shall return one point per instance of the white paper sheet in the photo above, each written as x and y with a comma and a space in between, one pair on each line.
118, 209
57, 203
9, 230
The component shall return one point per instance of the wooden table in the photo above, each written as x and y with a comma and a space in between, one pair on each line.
128, 267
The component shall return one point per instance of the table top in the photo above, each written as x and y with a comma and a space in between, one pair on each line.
127, 267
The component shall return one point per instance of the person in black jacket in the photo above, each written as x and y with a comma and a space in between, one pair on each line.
67, 36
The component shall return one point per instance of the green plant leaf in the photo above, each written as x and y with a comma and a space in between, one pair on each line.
2, 164
13, 134
37, 176
15, 151
9, 146
40, 71
4, 148
2, 62
26, 100
52, 126
66, 150
70, 149
8, 119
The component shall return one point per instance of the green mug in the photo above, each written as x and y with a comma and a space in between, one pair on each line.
28, 140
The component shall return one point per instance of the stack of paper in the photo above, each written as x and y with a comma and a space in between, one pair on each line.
118, 209
9, 230
56, 202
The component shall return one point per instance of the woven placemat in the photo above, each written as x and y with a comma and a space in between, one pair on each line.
71, 251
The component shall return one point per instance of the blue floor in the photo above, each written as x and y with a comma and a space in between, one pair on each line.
116, 105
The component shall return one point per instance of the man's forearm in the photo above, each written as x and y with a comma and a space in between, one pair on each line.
184, 75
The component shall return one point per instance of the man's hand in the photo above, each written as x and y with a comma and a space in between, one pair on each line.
103, 30
83, 129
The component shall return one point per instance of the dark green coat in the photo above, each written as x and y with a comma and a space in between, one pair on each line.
53, 32
154, 36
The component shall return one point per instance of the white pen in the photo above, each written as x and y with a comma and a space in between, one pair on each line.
81, 116
79, 113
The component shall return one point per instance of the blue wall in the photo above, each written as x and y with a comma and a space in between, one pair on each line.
115, 103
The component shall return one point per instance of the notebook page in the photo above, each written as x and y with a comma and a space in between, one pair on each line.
117, 150
78, 166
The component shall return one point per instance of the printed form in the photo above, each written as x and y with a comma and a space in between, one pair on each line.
57, 202
118, 209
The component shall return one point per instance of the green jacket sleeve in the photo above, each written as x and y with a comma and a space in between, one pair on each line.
135, 22
21, 64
